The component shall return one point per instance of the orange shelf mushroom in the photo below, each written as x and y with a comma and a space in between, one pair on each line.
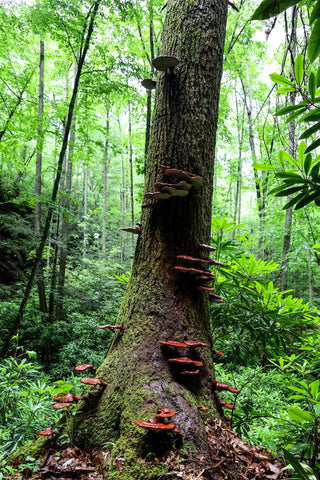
64, 398
135, 230
193, 271
46, 433
190, 372
173, 343
227, 405
113, 328
60, 406
85, 366
217, 352
186, 361
195, 343
202, 407
215, 298
164, 413
207, 247
93, 381
155, 425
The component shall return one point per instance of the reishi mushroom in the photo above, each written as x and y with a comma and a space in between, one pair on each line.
135, 230
173, 343
223, 386
217, 352
190, 372
207, 247
164, 413
82, 368
227, 405
155, 425
215, 298
93, 381
60, 406
46, 433
64, 398
202, 407
113, 328
186, 361
193, 271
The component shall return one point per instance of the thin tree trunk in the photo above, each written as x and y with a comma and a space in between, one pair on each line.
122, 198
105, 184
131, 171
292, 150
237, 202
85, 209
86, 42
38, 181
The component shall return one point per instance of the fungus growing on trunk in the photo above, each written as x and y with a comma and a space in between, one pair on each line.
227, 405
158, 195
192, 271
195, 343
202, 407
190, 372
153, 425
205, 289
60, 406
219, 386
186, 361
215, 298
194, 180
164, 413
233, 390
149, 83
135, 230
207, 247
113, 328
175, 192
82, 368
208, 261
93, 381
65, 398
173, 343
217, 352
164, 62
46, 433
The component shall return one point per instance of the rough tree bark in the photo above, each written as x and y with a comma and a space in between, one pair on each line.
160, 303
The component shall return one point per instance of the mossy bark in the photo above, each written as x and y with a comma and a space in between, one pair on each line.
161, 303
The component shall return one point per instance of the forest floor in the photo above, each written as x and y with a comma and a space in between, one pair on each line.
231, 458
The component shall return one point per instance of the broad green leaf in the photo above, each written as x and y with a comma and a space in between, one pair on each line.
315, 12
300, 415
312, 85
310, 131
297, 466
314, 387
301, 150
311, 116
286, 90
313, 145
283, 155
291, 108
318, 77
294, 200
314, 42
271, 8
288, 191
307, 163
315, 171
295, 115
264, 166
298, 68
276, 78
308, 199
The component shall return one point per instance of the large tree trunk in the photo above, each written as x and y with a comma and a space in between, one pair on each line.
160, 303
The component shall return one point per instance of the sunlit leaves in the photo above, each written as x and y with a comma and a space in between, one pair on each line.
276, 78
271, 8
298, 68
314, 42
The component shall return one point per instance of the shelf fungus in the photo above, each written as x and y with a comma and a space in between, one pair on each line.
207, 247
154, 425
46, 433
186, 361
173, 343
217, 352
215, 298
93, 381
164, 413
190, 372
194, 180
193, 271
149, 83
205, 289
196, 343
64, 398
202, 407
157, 195
60, 406
85, 366
135, 230
227, 405
207, 261
163, 62
113, 328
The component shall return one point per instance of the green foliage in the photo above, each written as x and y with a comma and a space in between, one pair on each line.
303, 471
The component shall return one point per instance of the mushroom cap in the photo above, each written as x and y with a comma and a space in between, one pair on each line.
149, 83
158, 195
85, 366
232, 390
215, 298
193, 271
227, 405
113, 327
173, 343
59, 406
46, 433
156, 426
207, 247
205, 288
219, 386
194, 180
195, 343
135, 230
77, 398
165, 413
164, 62
92, 381
217, 352
65, 398
186, 361
175, 192
202, 407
